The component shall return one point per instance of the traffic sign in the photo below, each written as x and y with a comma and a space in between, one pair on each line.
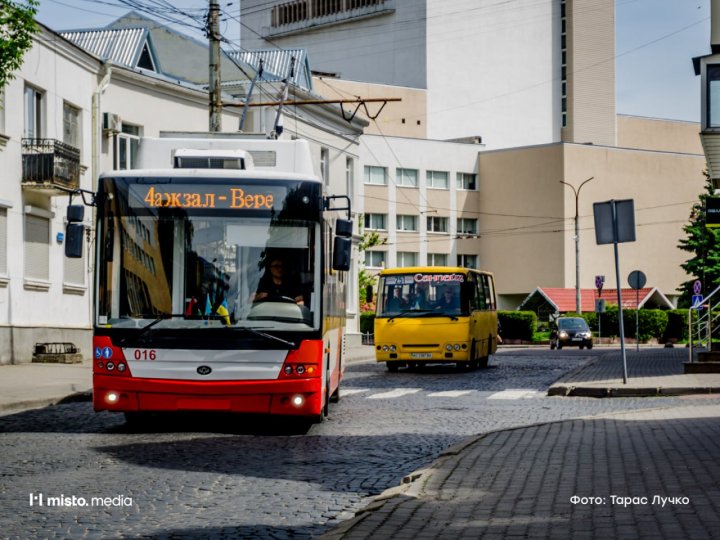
599, 282
637, 279
697, 287
697, 301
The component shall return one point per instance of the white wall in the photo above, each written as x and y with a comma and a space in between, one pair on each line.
493, 71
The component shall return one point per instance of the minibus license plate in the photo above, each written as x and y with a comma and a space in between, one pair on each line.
420, 355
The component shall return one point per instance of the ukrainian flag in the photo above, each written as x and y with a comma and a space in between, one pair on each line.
222, 310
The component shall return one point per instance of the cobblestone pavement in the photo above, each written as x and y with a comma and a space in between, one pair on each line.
239, 477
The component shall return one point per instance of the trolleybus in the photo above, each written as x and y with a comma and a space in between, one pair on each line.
435, 315
181, 251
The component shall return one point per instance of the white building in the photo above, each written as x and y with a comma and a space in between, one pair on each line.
512, 73
69, 115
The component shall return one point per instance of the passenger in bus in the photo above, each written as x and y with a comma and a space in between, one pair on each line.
449, 299
396, 301
276, 283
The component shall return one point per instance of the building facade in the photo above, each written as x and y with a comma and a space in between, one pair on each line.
68, 116
509, 74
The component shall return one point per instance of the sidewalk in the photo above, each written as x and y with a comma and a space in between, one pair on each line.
641, 474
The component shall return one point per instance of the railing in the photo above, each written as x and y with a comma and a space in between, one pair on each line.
48, 164
705, 324
306, 10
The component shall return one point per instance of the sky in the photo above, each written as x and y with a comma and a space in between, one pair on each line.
656, 41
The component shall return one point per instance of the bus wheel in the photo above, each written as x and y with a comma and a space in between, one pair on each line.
474, 363
392, 367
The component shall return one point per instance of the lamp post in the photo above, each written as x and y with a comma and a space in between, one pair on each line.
578, 306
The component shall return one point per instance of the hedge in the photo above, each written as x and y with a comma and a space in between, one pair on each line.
367, 322
518, 324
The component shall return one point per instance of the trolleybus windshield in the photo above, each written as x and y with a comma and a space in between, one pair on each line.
181, 256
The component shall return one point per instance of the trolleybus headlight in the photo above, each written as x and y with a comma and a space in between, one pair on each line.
448, 347
300, 370
298, 400
456, 347
110, 366
121, 367
288, 370
393, 348
386, 348
112, 397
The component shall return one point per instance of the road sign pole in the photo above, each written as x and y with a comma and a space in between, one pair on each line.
637, 319
619, 292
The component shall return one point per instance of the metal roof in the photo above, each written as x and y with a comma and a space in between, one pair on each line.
276, 64
122, 46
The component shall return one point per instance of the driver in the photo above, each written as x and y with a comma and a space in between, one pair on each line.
275, 283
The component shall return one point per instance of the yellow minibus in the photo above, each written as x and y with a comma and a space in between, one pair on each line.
435, 314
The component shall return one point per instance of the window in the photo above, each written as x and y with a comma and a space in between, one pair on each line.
376, 222
437, 224
713, 96
468, 261
437, 179
33, 113
437, 259
3, 241
406, 177
467, 226
375, 259
74, 270
375, 175
71, 125
37, 247
325, 165
406, 258
127, 147
350, 177
467, 181
407, 223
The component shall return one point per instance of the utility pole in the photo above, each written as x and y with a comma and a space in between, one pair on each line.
214, 78
578, 305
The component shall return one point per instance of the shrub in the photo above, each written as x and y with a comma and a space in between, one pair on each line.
677, 325
518, 324
367, 322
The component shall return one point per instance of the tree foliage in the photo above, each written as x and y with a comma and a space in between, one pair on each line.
17, 27
704, 244
365, 279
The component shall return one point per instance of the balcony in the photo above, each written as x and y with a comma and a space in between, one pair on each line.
50, 166
298, 15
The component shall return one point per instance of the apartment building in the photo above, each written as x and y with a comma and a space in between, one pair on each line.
526, 93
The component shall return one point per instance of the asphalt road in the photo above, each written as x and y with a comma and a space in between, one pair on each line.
200, 476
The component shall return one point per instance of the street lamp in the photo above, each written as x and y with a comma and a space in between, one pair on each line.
577, 242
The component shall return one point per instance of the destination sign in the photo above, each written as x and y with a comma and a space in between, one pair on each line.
215, 196
424, 278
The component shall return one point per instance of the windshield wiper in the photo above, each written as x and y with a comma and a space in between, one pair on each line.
266, 336
439, 314
147, 328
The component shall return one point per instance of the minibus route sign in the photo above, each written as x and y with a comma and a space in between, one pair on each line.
424, 278
221, 197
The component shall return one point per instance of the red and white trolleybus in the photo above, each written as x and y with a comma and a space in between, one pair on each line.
182, 246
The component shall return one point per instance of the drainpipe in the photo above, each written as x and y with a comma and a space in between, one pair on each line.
715, 25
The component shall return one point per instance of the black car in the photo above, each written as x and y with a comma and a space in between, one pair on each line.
571, 331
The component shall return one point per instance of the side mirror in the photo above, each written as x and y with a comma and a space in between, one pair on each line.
75, 213
343, 227
74, 233
342, 253
369, 294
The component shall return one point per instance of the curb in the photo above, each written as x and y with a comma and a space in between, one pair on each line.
22, 406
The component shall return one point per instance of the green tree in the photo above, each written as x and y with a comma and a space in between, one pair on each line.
365, 279
17, 27
704, 244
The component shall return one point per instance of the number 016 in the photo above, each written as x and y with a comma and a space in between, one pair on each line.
145, 354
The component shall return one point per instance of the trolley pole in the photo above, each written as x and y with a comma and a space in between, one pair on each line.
214, 75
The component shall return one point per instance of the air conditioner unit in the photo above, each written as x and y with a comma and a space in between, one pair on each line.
112, 123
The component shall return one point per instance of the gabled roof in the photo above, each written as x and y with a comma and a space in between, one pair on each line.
129, 47
563, 300
276, 64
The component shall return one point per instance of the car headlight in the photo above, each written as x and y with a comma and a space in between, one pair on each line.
563, 334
